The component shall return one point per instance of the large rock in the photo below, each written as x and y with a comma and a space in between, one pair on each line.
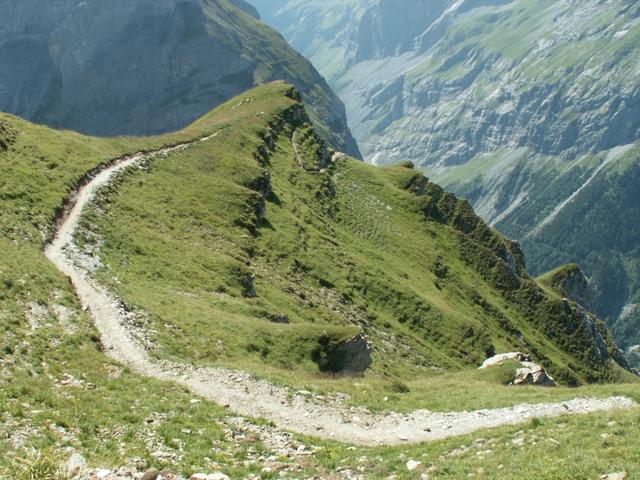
531, 373
614, 476
504, 357
350, 357
76, 465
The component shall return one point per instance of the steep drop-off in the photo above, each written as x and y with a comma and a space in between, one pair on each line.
530, 110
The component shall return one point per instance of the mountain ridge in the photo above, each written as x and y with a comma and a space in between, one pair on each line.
262, 281
252, 396
54, 369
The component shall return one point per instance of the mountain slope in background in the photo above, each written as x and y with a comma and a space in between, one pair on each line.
530, 110
146, 67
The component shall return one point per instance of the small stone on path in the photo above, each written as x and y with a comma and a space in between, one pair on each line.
518, 442
76, 464
211, 476
151, 475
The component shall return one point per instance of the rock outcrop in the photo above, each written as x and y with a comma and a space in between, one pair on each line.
350, 357
7, 136
571, 282
504, 357
578, 293
531, 373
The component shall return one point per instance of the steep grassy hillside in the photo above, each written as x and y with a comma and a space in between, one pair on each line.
265, 253
529, 110
60, 393
145, 66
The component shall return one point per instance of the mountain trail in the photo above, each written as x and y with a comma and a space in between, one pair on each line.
248, 396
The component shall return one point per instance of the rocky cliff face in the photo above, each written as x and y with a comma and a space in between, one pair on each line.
145, 67
570, 282
530, 110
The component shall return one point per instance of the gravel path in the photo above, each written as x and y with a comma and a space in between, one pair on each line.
248, 396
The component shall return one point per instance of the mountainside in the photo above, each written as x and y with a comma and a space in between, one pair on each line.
146, 67
255, 249
293, 262
530, 110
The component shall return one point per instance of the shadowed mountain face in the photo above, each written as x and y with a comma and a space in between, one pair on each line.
144, 67
530, 110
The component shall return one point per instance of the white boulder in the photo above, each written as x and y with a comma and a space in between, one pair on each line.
209, 476
530, 374
76, 465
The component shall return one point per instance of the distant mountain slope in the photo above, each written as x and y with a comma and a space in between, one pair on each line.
530, 110
145, 66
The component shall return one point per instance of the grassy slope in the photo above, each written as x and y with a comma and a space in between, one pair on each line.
351, 248
600, 58
581, 231
40, 346
99, 421
582, 50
